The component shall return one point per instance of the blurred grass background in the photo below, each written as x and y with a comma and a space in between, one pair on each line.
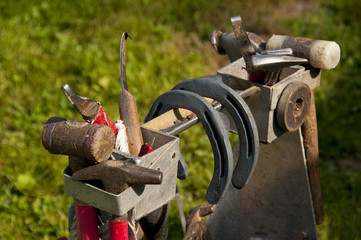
44, 44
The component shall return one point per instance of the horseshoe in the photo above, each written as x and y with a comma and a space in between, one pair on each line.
213, 87
213, 125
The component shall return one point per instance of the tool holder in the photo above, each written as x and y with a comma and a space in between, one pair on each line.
276, 203
142, 198
264, 104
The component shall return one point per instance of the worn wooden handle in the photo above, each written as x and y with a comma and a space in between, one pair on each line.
320, 53
137, 138
78, 139
170, 118
310, 142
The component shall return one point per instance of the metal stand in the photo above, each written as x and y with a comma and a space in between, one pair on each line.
276, 203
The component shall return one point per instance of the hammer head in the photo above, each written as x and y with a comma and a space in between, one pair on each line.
87, 107
117, 175
273, 62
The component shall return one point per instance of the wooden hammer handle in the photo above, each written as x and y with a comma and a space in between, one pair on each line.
170, 118
320, 53
78, 139
310, 142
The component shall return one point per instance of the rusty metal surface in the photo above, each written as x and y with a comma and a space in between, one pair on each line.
243, 41
142, 198
196, 229
276, 203
263, 104
293, 106
226, 43
87, 107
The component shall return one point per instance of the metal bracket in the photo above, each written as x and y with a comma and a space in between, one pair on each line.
263, 105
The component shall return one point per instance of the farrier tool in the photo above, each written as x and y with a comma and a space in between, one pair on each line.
196, 229
91, 111
78, 139
116, 176
272, 65
262, 65
123, 82
85, 144
128, 106
320, 54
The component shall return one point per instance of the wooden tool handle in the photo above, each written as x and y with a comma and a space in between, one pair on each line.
320, 53
310, 142
170, 118
133, 121
78, 139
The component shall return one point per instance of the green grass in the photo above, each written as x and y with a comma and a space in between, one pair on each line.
44, 44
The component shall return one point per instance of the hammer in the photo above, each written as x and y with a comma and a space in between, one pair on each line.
319, 53
91, 111
117, 175
78, 139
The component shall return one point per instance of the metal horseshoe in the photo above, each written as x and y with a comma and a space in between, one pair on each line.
213, 125
213, 87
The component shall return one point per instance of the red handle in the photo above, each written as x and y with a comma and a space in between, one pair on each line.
86, 222
103, 119
118, 230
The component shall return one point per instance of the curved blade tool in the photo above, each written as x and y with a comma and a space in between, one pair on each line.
123, 81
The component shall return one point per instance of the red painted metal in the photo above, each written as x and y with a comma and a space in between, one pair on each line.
86, 221
256, 77
118, 230
63, 238
145, 149
103, 119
